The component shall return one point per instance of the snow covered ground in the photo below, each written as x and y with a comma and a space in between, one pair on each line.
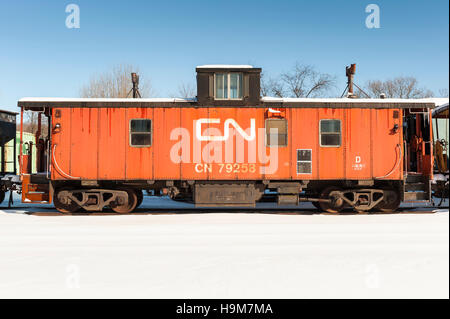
223, 255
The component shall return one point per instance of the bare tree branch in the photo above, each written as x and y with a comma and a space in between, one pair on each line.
186, 91
264, 85
277, 88
272, 87
295, 80
115, 84
305, 81
321, 83
30, 123
399, 87
443, 92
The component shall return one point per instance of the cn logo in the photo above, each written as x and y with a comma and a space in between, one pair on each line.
226, 130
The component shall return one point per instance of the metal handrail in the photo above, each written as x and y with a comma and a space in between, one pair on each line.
400, 155
405, 160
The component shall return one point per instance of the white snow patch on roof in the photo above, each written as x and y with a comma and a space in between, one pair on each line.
68, 99
440, 108
225, 66
438, 101
347, 100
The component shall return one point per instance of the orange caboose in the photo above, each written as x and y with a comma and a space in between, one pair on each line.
229, 146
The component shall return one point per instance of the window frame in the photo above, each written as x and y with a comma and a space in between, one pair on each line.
266, 140
310, 161
131, 133
241, 87
328, 133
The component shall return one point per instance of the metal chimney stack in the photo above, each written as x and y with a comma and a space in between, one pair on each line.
350, 72
135, 80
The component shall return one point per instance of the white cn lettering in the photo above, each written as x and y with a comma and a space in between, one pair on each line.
226, 129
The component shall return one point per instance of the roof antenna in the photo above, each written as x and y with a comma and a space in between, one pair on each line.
349, 73
135, 88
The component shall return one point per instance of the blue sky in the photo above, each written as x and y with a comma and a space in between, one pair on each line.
39, 56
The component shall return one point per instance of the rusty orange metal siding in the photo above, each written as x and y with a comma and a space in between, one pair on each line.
187, 120
386, 145
61, 145
139, 162
94, 144
84, 151
331, 159
358, 140
243, 116
303, 126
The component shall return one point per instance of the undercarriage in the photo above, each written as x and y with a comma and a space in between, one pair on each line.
124, 197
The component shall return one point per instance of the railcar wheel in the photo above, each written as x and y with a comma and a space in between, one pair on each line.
124, 206
140, 197
63, 203
316, 205
336, 204
390, 202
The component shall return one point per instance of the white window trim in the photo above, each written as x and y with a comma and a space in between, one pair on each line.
340, 133
131, 133
228, 87
311, 161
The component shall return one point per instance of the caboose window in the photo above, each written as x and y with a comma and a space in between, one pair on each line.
276, 132
304, 161
228, 86
140, 133
330, 133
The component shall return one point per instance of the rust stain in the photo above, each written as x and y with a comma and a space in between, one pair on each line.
110, 122
81, 119
155, 162
89, 121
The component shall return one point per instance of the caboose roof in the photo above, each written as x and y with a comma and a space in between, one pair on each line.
441, 111
218, 68
8, 112
435, 101
225, 66
88, 100
40, 102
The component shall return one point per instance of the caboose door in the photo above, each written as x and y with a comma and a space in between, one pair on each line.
418, 142
34, 158
418, 155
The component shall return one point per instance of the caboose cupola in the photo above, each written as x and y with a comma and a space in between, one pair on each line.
234, 85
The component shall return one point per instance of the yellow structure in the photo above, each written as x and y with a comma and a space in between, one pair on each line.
9, 151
